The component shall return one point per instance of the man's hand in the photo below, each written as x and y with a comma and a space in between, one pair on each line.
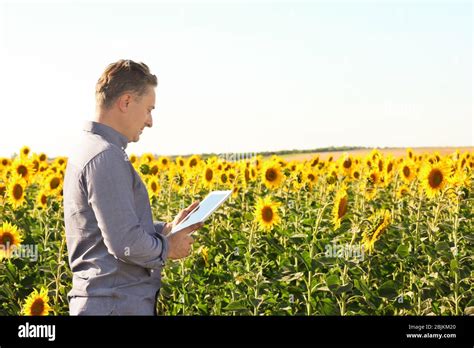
180, 242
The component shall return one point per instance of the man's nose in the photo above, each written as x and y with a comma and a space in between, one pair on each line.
150, 122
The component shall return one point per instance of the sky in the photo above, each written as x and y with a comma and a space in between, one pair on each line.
243, 76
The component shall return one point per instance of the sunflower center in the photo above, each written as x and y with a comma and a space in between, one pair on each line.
435, 178
373, 178
209, 174
271, 175
154, 187
54, 183
22, 170
6, 239
311, 177
342, 207
267, 214
406, 171
43, 199
389, 167
37, 308
193, 163
17, 191
224, 178
356, 175
347, 163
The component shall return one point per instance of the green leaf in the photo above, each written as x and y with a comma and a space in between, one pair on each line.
388, 289
332, 282
290, 277
454, 265
403, 250
344, 288
442, 246
236, 306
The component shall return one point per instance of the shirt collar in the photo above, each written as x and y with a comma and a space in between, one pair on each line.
107, 132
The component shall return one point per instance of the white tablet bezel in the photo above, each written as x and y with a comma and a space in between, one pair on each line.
185, 223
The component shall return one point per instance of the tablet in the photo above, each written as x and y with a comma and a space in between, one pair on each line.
205, 208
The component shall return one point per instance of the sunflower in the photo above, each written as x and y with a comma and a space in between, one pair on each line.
193, 161
245, 175
60, 162
180, 161
266, 213
380, 164
389, 167
355, 175
3, 189
146, 158
314, 161
164, 162
204, 251
24, 152
340, 206
402, 191
208, 176
4, 162
379, 223
42, 157
153, 187
297, 177
310, 177
347, 164
133, 159
154, 168
272, 176
53, 183
37, 303
42, 199
9, 237
434, 178
16, 191
223, 178
23, 168
178, 179
236, 189
407, 171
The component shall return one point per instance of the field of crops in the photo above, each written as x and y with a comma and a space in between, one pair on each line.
365, 235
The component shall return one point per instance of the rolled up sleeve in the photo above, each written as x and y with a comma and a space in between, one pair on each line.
109, 185
159, 226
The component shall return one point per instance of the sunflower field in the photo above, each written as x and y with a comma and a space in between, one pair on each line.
356, 235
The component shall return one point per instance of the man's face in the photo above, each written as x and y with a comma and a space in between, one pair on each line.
139, 114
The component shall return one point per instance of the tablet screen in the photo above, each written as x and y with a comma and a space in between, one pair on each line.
204, 209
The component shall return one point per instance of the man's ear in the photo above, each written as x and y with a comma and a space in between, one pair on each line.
123, 102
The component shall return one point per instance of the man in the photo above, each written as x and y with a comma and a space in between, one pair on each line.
116, 250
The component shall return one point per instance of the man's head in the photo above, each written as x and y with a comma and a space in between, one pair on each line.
125, 97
